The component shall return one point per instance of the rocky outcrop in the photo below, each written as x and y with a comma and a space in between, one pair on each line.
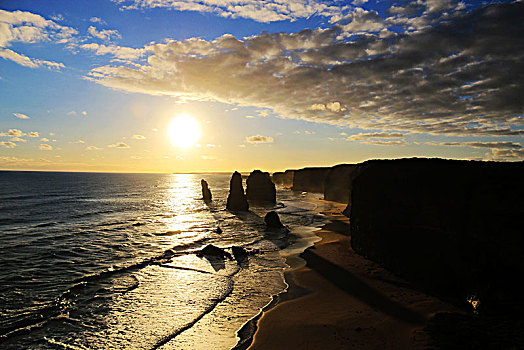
310, 179
455, 227
284, 179
206, 193
236, 200
260, 188
273, 221
337, 184
213, 251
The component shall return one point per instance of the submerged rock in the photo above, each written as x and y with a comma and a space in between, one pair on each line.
236, 200
260, 187
213, 251
272, 220
218, 230
206, 193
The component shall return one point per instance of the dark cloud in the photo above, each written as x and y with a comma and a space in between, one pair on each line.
449, 73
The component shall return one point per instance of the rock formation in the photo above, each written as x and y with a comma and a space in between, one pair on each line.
240, 254
337, 184
310, 179
272, 220
236, 200
455, 227
284, 179
206, 193
260, 188
213, 251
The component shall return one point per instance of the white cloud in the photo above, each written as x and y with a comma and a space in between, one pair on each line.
7, 144
104, 34
257, 10
139, 137
71, 113
84, 113
44, 139
121, 52
97, 20
33, 134
18, 139
45, 147
27, 27
259, 139
118, 145
93, 148
13, 132
21, 116
79, 141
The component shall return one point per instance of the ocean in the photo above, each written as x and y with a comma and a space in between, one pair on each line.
107, 261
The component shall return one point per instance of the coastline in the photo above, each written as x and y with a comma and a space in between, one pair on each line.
341, 300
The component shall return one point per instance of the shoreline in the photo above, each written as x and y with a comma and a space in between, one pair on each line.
340, 300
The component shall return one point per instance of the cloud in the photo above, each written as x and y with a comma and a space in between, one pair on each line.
257, 10
27, 27
44, 139
259, 139
139, 137
121, 52
13, 132
71, 113
105, 34
84, 113
118, 145
7, 144
46, 147
18, 139
461, 75
507, 154
364, 136
79, 141
495, 145
33, 134
93, 148
21, 116
204, 157
97, 20
385, 143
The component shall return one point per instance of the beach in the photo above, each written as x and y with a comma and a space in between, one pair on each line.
341, 300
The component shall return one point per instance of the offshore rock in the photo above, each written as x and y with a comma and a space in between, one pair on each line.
213, 251
236, 200
260, 187
206, 193
272, 220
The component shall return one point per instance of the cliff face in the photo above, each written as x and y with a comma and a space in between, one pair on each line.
337, 184
310, 179
456, 227
284, 179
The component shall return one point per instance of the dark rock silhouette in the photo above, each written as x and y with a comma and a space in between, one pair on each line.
239, 253
206, 193
272, 220
310, 179
218, 230
455, 227
337, 184
260, 188
213, 251
236, 200
284, 179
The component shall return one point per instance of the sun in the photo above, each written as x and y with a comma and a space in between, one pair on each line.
184, 131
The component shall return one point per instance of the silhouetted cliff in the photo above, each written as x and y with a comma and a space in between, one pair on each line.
284, 178
456, 227
337, 184
310, 179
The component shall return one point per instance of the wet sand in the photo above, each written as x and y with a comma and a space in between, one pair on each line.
341, 300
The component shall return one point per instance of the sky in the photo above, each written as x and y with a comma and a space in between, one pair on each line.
273, 85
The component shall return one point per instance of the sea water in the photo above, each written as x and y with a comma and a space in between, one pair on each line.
107, 261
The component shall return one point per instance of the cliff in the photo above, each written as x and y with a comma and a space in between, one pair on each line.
284, 179
260, 188
455, 227
310, 179
337, 183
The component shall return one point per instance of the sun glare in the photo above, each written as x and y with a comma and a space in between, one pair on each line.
184, 131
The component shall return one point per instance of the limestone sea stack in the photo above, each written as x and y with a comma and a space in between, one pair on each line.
272, 220
260, 188
236, 200
206, 193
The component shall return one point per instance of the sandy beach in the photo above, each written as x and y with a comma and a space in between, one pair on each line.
341, 300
